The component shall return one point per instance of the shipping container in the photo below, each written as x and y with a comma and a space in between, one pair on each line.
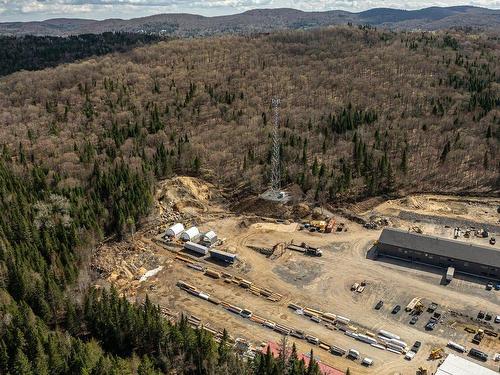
337, 351
197, 248
223, 256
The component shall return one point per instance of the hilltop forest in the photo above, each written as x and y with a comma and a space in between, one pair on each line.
363, 112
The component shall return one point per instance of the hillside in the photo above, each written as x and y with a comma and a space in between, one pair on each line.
364, 112
83, 146
265, 20
30, 52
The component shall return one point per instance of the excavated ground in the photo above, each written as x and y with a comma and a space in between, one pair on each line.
321, 283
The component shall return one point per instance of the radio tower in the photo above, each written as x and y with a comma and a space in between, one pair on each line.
275, 158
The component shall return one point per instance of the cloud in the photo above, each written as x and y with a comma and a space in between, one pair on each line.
12, 10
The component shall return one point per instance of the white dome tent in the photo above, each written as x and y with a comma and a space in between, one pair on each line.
175, 230
190, 234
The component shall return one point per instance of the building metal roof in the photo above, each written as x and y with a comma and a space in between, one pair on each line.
324, 368
455, 365
465, 251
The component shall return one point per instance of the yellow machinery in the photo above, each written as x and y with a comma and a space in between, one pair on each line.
436, 353
321, 224
422, 371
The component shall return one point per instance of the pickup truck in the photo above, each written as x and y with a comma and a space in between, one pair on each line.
431, 324
432, 307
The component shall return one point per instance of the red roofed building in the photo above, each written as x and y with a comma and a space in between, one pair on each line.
323, 367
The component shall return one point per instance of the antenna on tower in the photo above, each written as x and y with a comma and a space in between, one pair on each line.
275, 157
274, 193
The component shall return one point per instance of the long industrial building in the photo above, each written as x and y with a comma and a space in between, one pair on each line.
455, 365
465, 257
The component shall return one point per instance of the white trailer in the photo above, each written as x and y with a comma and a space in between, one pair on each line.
197, 248
388, 334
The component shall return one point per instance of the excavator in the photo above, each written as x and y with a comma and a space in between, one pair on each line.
436, 353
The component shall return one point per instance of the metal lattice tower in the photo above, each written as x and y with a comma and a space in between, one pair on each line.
275, 157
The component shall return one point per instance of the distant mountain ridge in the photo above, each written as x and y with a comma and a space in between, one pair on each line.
265, 20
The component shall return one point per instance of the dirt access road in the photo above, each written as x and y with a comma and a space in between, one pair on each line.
323, 283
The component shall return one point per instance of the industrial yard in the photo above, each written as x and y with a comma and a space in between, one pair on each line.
278, 275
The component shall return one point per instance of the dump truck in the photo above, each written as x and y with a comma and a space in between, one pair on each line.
449, 274
306, 249
314, 251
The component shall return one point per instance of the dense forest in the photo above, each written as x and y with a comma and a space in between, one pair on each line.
39, 52
364, 112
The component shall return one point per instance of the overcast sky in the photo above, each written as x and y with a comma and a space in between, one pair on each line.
35, 10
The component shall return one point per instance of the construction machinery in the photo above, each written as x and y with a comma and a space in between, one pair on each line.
306, 249
422, 371
330, 225
478, 336
320, 225
436, 354
413, 304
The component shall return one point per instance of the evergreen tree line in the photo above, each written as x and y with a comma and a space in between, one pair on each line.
32, 52
43, 229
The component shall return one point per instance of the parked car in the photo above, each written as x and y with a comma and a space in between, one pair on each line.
480, 315
489, 286
379, 305
432, 307
414, 319
246, 313
487, 317
396, 309
497, 319
493, 240
497, 286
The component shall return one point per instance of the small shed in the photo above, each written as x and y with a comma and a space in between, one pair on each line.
175, 230
209, 238
190, 234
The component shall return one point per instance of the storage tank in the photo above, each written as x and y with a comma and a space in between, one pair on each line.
190, 234
457, 347
174, 230
197, 248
